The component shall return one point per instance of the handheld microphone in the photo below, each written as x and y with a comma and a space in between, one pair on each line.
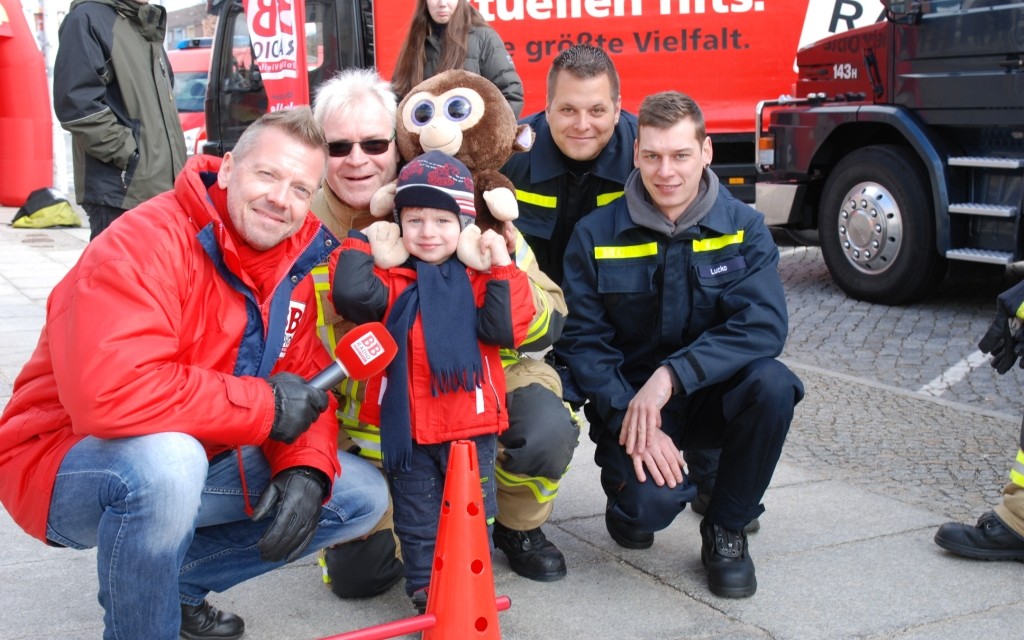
361, 353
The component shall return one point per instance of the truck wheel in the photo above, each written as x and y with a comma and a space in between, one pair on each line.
877, 227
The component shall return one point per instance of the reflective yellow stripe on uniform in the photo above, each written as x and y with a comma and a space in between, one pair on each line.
621, 253
1017, 470
542, 319
548, 202
605, 198
368, 439
508, 357
712, 244
322, 284
543, 490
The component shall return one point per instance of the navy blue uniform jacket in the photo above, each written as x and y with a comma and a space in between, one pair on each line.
706, 303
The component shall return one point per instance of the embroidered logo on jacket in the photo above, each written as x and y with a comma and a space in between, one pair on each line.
295, 311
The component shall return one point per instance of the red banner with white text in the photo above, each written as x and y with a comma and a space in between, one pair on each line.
279, 44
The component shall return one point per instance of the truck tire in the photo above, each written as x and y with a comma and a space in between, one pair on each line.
877, 227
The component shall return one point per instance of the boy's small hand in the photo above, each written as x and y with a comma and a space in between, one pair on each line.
386, 246
494, 245
470, 249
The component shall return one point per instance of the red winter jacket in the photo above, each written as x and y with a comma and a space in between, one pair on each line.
157, 328
506, 311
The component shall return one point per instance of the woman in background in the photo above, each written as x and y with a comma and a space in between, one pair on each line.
451, 34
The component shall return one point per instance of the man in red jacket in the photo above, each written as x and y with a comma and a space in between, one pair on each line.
166, 395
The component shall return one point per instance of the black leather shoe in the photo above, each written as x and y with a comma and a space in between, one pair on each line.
206, 622
990, 539
724, 554
530, 553
626, 535
700, 507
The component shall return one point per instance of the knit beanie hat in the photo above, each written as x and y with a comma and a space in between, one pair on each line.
437, 181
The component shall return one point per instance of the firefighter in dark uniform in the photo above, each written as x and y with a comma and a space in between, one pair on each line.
581, 157
580, 160
676, 317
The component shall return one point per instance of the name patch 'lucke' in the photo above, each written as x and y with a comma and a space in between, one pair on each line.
721, 268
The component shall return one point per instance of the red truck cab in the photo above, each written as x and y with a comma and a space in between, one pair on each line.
190, 62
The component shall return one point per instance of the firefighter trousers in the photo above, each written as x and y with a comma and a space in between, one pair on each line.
534, 453
1011, 509
747, 417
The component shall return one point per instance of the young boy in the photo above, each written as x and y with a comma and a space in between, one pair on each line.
446, 383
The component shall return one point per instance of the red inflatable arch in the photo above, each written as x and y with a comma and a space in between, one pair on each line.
26, 136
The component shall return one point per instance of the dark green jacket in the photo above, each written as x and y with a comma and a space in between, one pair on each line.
112, 89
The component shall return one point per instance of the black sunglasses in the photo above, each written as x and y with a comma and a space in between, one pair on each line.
341, 148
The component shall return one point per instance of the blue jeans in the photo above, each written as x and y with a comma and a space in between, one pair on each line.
169, 526
416, 494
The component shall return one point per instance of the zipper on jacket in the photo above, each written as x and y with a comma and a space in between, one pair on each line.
167, 81
490, 383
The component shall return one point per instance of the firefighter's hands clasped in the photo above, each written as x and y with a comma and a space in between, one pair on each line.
641, 433
643, 415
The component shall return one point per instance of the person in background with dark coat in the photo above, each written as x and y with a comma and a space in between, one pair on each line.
112, 90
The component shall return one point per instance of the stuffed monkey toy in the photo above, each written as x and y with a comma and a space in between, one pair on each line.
463, 115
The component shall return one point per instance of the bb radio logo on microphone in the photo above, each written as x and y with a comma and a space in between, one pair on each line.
368, 347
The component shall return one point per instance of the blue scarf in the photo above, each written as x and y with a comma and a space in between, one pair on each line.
443, 298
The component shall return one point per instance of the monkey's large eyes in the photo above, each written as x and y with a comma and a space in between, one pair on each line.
423, 112
457, 108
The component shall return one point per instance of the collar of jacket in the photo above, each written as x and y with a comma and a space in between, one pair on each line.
613, 163
338, 216
716, 219
150, 18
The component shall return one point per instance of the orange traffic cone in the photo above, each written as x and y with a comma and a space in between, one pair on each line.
461, 593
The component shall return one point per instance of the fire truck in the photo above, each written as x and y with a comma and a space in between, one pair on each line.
905, 148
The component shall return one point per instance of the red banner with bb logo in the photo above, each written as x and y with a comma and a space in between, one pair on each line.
276, 29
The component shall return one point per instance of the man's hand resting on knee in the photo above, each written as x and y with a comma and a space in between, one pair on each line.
297, 493
643, 415
662, 459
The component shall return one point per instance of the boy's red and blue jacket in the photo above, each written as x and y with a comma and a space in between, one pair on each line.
365, 293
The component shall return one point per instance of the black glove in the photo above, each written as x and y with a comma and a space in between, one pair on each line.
296, 406
1001, 342
298, 493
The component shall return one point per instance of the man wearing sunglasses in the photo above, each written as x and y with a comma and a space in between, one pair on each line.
357, 110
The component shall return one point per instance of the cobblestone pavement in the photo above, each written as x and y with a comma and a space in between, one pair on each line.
865, 418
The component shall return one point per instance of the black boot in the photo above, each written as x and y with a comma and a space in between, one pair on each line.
990, 539
724, 554
206, 622
530, 553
